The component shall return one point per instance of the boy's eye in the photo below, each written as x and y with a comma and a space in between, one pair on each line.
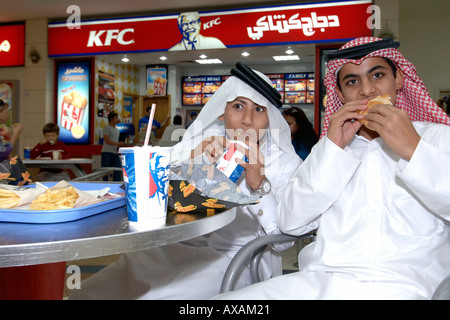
378, 75
260, 109
238, 106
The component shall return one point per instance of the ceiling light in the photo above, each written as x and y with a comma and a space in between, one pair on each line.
286, 58
245, 54
125, 58
203, 56
163, 58
208, 61
289, 51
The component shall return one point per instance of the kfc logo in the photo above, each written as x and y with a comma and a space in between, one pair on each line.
105, 37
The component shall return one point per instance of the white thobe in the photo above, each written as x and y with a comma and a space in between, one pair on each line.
383, 229
195, 269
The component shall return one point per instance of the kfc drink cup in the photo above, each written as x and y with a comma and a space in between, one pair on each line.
227, 163
146, 177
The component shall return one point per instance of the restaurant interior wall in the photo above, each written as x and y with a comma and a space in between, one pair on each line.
424, 40
126, 81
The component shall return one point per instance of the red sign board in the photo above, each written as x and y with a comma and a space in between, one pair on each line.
288, 24
12, 45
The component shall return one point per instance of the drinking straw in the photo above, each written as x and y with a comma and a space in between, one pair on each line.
150, 124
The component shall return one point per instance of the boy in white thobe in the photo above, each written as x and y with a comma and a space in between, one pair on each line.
377, 192
194, 269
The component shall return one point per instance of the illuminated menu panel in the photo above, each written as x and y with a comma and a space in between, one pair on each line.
294, 88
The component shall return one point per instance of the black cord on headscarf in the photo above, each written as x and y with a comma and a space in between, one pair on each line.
361, 51
247, 75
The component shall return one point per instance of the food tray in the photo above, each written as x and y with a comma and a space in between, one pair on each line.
65, 215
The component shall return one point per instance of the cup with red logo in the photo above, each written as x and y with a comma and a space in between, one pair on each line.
146, 173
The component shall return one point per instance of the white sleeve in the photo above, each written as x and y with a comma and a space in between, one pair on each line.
315, 186
266, 210
427, 175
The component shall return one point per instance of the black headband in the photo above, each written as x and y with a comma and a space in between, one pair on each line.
247, 75
363, 50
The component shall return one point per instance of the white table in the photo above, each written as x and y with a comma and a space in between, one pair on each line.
30, 250
73, 164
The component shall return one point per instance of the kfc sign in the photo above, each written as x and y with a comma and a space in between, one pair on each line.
287, 24
12, 45
105, 37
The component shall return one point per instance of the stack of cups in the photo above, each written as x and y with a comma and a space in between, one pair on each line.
146, 177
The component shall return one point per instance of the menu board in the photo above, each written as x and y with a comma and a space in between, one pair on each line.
295, 88
198, 90
299, 88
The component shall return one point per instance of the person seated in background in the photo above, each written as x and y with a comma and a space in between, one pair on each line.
376, 186
50, 147
173, 133
302, 132
193, 116
12, 170
143, 122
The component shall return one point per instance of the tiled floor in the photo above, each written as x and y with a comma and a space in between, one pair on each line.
91, 266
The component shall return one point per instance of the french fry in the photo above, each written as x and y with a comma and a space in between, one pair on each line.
55, 199
7, 203
8, 199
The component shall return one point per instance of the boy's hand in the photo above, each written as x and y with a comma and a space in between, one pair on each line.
343, 123
254, 169
395, 128
213, 147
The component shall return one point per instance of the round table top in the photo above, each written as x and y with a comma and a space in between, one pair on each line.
103, 234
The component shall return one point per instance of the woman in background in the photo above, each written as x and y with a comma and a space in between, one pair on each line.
302, 132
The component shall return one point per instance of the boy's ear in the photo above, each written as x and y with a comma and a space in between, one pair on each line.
398, 79
221, 117
340, 95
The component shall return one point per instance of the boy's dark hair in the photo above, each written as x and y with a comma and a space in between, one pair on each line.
3, 105
391, 64
111, 116
177, 119
50, 127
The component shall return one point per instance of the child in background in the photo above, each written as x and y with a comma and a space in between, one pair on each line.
46, 148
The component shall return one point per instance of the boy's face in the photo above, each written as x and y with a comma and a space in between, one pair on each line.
4, 115
51, 137
244, 116
373, 77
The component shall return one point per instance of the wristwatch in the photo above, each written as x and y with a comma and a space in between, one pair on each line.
263, 189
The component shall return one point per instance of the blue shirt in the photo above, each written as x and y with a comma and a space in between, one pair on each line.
144, 121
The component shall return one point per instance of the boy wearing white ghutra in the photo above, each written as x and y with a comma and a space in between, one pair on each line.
245, 104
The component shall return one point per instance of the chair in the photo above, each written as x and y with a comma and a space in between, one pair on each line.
97, 174
254, 248
253, 251
442, 292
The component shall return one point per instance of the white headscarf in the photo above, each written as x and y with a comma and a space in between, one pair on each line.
207, 123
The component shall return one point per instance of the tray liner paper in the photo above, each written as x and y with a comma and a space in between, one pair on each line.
203, 188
